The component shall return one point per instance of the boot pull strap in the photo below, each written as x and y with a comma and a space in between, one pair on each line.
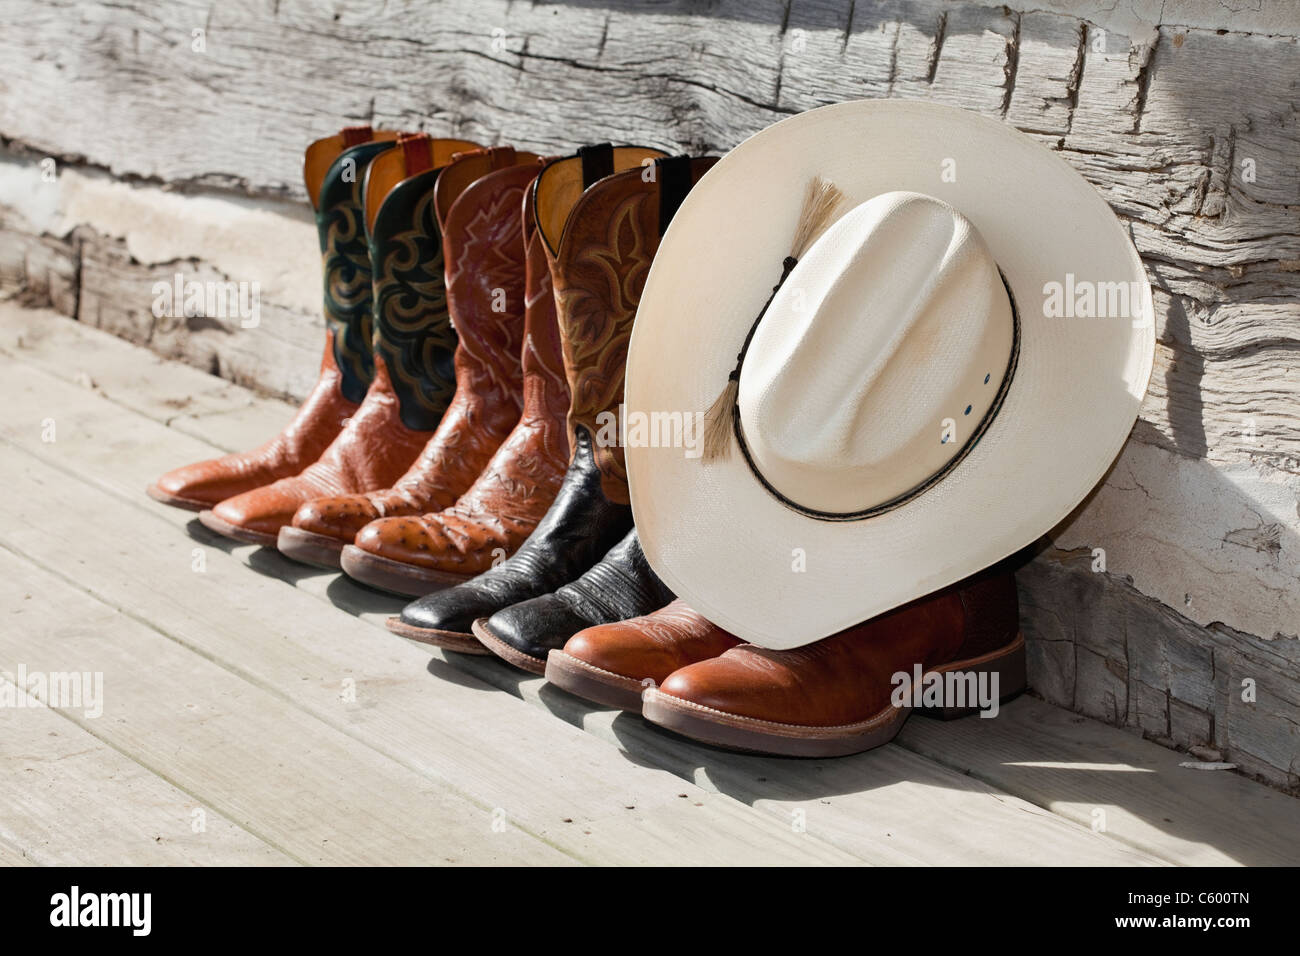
675, 181
500, 157
417, 152
352, 135
597, 162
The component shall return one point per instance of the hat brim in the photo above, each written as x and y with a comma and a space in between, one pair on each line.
777, 578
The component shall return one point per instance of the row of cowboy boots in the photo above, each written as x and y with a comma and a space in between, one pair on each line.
532, 271
478, 305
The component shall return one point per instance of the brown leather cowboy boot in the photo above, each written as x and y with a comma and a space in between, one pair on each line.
413, 350
600, 261
413, 555
333, 170
947, 655
479, 198
612, 664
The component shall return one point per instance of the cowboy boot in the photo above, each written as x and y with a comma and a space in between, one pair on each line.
948, 654
412, 555
612, 664
599, 264
413, 347
333, 171
478, 198
618, 586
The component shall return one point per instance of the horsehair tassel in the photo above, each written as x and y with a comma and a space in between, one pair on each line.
820, 201
717, 422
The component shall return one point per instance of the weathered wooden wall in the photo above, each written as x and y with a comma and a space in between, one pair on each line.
174, 159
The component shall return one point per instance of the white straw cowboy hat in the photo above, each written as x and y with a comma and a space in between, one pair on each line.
954, 360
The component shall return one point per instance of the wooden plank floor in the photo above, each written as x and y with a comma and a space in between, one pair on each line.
257, 712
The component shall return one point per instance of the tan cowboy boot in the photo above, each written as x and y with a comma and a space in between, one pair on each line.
479, 199
947, 655
413, 350
333, 170
613, 664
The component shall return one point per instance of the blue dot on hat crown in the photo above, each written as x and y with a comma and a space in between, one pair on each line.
944, 440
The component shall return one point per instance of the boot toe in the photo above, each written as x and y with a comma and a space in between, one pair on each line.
620, 648
538, 626
403, 539
264, 510
729, 685
341, 517
209, 482
454, 609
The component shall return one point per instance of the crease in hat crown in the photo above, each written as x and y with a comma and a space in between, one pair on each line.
878, 359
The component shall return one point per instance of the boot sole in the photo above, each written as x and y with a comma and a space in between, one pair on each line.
509, 654
593, 683
447, 640
176, 501
210, 521
735, 732
385, 574
310, 547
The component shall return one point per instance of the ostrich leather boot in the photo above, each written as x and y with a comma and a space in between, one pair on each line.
618, 586
413, 345
949, 654
478, 197
613, 664
333, 171
600, 255
414, 554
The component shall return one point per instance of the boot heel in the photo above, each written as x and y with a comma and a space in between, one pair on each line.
1007, 663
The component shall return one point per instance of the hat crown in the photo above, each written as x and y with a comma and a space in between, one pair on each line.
878, 358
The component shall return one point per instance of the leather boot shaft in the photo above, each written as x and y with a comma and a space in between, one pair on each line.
412, 332
412, 369
345, 262
600, 268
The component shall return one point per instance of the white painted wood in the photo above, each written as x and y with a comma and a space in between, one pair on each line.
72, 800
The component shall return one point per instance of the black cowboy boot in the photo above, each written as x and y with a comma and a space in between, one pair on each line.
619, 586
